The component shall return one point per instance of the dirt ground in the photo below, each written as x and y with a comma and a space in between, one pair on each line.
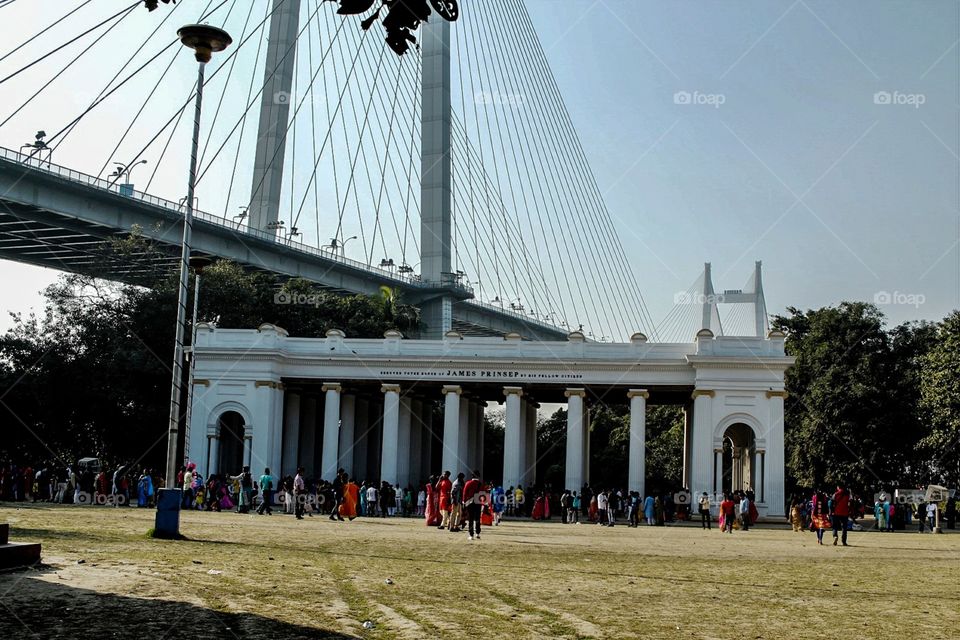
247, 576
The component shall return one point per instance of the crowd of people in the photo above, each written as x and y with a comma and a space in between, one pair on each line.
457, 503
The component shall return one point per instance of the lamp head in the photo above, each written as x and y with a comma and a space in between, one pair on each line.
204, 39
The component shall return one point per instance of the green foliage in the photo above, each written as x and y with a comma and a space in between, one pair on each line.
852, 414
940, 400
92, 376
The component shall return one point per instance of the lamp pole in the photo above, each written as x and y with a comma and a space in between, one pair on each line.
204, 40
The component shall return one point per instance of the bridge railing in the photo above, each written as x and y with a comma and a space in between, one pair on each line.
38, 163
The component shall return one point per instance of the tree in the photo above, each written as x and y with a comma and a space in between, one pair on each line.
92, 375
850, 415
940, 402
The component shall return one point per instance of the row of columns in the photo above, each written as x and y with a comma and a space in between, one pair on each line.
407, 435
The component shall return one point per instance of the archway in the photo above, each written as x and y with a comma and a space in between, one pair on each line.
230, 426
739, 446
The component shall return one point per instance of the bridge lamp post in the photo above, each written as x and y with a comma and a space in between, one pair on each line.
205, 40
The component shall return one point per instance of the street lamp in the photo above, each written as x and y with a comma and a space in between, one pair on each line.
38, 145
205, 40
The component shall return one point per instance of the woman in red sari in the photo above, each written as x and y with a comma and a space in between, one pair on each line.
538, 508
432, 510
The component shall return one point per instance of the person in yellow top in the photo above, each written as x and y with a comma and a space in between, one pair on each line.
518, 499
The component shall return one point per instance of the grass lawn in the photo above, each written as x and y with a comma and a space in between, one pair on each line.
246, 576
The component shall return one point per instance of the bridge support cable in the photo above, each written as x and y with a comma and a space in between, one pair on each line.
42, 31
540, 103
539, 61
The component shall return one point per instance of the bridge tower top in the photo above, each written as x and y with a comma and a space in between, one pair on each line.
752, 294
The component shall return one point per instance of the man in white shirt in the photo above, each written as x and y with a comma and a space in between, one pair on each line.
602, 508
745, 513
371, 500
299, 493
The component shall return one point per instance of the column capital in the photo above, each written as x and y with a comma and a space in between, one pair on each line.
710, 393
269, 384
388, 388
718, 449
638, 393
777, 394
451, 388
760, 451
509, 391
331, 386
579, 393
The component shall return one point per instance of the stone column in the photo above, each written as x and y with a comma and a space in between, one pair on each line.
522, 455
391, 432
248, 445
427, 457
574, 467
403, 445
636, 474
471, 457
511, 440
291, 433
530, 445
348, 415
451, 428
687, 441
761, 471
214, 445
736, 475
463, 443
774, 457
416, 443
308, 433
701, 450
481, 406
586, 443
331, 430
718, 471
361, 426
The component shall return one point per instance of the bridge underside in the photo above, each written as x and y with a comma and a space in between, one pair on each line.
63, 223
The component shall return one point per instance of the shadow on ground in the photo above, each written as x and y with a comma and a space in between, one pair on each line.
31, 607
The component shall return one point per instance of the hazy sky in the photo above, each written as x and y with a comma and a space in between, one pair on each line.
820, 137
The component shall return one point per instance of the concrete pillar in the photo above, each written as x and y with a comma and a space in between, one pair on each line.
308, 433
687, 434
291, 433
436, 184
774, 457
574, 468
512, 437
331, 431
361, 426
702, 441
214, 444
403, 445
451, 429
637, 470
761, 465
348, 416
416, 443
391, 432
471, 457
274, 114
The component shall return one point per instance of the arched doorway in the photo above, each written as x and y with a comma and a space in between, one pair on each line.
230, 426
739, 446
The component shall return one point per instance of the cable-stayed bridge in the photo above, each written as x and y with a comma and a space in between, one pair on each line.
452, 174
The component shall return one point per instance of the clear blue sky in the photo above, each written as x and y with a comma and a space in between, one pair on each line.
840, 196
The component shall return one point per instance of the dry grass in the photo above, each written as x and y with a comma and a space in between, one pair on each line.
287, 579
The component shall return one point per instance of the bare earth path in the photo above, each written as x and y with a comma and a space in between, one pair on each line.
244, 576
